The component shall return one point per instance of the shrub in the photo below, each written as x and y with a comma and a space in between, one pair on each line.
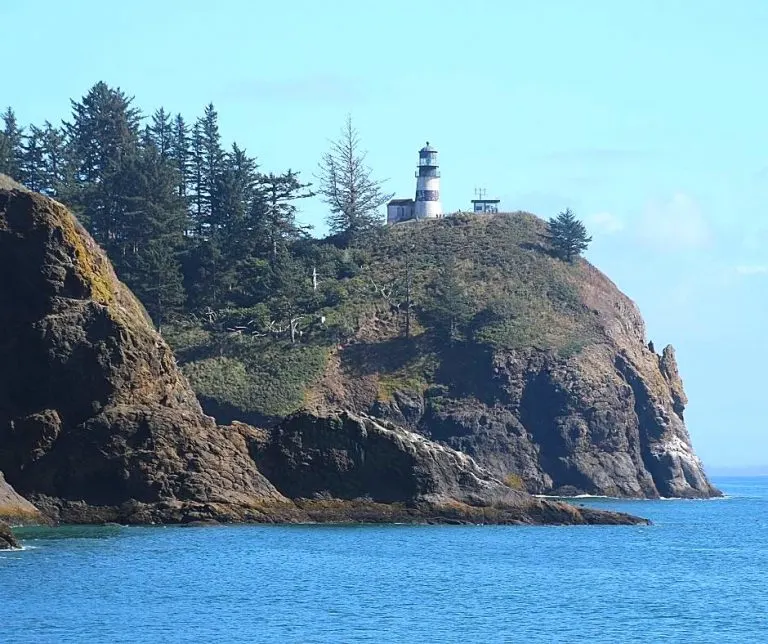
514, 481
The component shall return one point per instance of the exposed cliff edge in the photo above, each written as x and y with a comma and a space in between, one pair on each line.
98, 424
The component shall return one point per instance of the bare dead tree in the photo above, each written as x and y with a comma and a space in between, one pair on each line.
294, 324
347, 186
408, 302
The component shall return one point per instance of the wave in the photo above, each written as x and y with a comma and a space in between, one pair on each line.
24, 547
578, 496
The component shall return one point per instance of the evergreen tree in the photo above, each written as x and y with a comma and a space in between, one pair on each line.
102, 137
186, 225
448, 306
274, 212
234, 195
5, 155
11, 146
205, 274
291, 297
347, 186
159, 283
212, 164
197, 192
155, 220
161, 133
54, 160
104, 129
33, 171
180, 154
568, 236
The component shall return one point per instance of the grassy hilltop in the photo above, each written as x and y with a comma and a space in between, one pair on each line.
477, 284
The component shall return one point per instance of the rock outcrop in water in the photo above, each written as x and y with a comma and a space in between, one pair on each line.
97, 423
8, 540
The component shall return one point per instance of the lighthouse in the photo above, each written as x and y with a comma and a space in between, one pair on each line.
427, 203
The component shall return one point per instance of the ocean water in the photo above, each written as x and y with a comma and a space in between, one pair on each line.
698, 574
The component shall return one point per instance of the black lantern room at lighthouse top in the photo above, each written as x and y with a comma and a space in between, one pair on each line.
428, 162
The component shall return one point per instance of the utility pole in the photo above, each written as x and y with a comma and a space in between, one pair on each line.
314, 279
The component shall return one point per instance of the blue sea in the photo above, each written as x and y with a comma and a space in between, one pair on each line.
698, 574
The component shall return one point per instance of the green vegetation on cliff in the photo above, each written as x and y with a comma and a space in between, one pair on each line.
476, 285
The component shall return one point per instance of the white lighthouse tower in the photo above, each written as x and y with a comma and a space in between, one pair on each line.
427, 204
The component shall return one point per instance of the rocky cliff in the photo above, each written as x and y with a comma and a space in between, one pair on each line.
98, 424
545, 374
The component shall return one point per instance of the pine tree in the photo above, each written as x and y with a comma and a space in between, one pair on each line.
234, 195
347, 186
102, 138
161, 133
274, 212
155, 220
11, 146
197, 191
180, 154
448, 306
160, 283
104, 129
54, 160
568, 236
212, 162
33, 172
5, 154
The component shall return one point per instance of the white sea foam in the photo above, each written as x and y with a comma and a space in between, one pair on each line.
22, 549
628, 498
682, 498
577, 496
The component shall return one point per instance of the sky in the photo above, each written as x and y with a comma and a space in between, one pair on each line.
648, 119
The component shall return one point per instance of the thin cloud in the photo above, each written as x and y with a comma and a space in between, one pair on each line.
314, 88
674, 224
598, 155
604, 222
751, 269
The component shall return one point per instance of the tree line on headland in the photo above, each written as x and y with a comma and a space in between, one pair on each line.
191, 225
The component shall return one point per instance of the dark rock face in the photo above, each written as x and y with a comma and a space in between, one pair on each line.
7, 539
367, 463
96, 423
600, 423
